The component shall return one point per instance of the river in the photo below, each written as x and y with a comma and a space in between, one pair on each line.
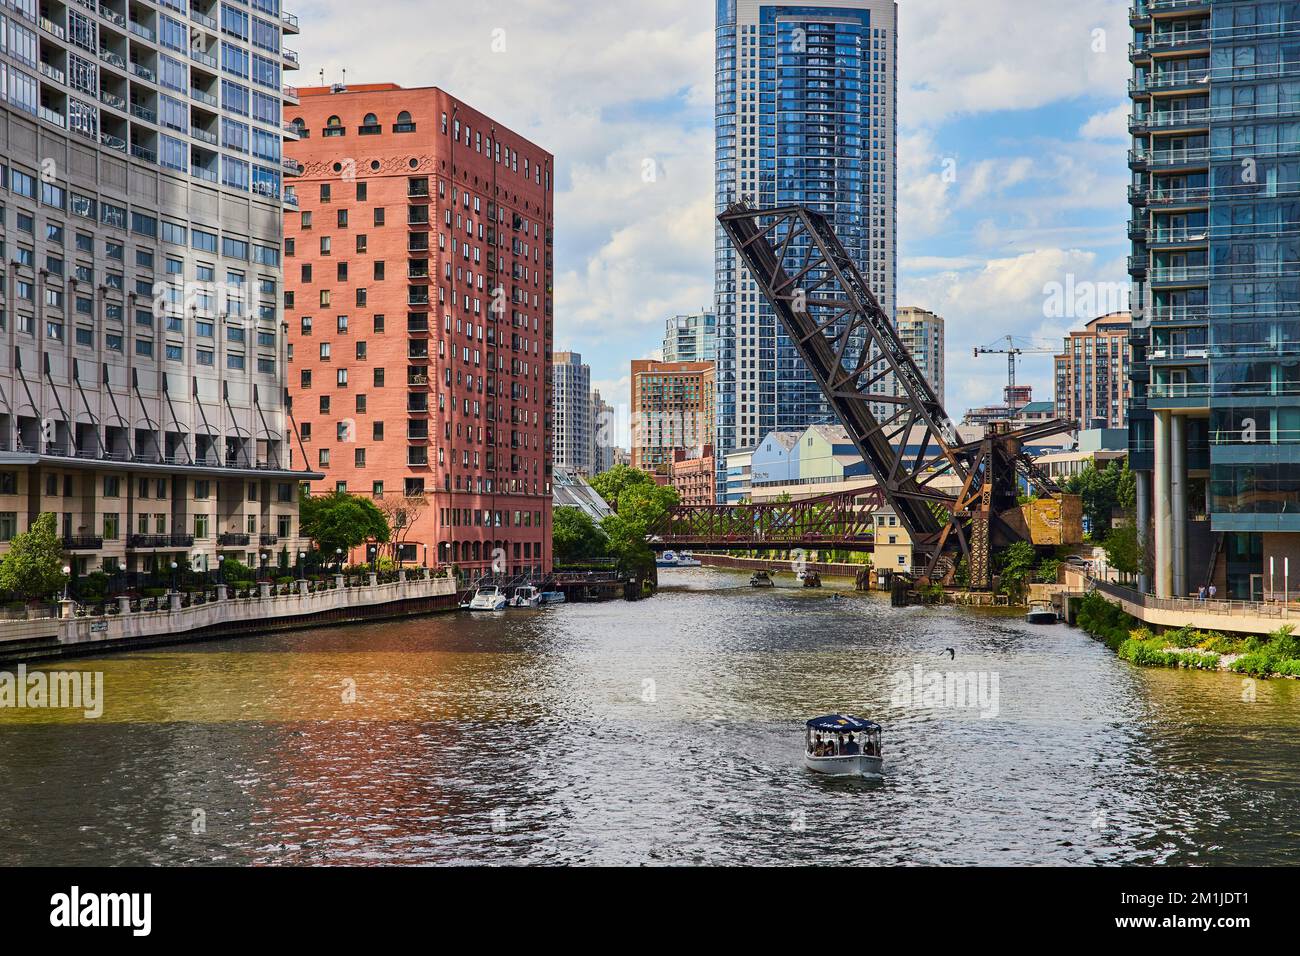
667, 731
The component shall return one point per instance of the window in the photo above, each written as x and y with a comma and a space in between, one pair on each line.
404, 123
362, 192
325, 187
342, 218
379, 378
333, 127
379, 215
370, 126
377, 431
323, 458
342, 323
342, 375
359, 458
305, 378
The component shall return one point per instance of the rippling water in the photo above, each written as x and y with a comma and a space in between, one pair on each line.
668, 731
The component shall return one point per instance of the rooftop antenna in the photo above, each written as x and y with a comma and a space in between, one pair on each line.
322, 76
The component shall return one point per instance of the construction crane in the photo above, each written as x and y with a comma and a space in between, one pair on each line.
1011, 351
852, 350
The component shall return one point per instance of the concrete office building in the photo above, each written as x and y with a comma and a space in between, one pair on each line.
142, 396
922, 333
691, 338
571, 411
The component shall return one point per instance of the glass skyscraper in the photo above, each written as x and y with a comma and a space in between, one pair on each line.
806, 114
1215, 417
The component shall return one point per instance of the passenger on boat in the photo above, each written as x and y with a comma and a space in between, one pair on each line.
850, 747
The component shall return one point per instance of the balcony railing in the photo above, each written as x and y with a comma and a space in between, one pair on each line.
82, 542
1179, 314
112, 15
140, 111
207, 59
206, 98
52, 72
289, 21
289, 55
140, 30
203, 135
49, 26
268, 539
160, 540
108, 56
232, 539
203, 18
113, 100
1180, 273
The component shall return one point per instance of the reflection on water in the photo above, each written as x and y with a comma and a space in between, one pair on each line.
667, 731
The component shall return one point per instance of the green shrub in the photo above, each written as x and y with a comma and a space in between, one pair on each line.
1105, 620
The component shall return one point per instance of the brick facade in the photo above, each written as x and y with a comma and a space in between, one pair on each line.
410, 376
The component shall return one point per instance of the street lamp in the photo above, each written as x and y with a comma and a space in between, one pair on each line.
265, 556
67, 580
374, 557
302, 556
221, 574
173, 575
338, 558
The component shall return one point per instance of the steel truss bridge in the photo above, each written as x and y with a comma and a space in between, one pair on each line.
838, 522
868, 377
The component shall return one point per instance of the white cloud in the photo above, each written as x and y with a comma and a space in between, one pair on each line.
1007, 54
1111, 124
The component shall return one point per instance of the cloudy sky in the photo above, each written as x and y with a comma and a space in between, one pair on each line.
1011, 157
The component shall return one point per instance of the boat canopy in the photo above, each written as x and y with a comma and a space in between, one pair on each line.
842, 723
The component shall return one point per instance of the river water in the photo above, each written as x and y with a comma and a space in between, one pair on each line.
668, 731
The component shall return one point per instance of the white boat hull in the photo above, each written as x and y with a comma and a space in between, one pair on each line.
853, 765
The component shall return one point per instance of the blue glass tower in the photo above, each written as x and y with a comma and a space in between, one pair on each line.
806, 114
1215, 418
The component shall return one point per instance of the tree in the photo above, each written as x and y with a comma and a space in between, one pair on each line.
33, 568
401, 513
576, 537
1103, 490
1124, 551
340, 520
640, 507
611, 484
1017, 566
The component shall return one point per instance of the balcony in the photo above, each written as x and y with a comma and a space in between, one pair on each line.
140, 30
112, 16
1187, 156
142, 71
1137, 230
207, 99
113, 59
1174, 196
113, 100
1179, 275
82, 542
288, 22
140, 111
1196, 117
203, 135
203, 19
1173, 40
291, 167
290, 93
146, 541
232, 539
1173, 81
1163, 235
1180, 314
265, 539
52, 28
51, 116
51, 72
1137, 266
1184, 353
207, 59
290, 56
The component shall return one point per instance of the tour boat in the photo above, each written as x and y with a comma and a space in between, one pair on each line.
526, 596
810, 579
488, 598
552, 597
1041, 612
671, 559
761, 579
840, 745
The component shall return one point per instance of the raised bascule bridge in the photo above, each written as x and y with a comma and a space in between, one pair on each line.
895, 420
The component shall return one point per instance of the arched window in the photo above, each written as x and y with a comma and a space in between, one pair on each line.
334, 127
370, 125
299, 127
404, 123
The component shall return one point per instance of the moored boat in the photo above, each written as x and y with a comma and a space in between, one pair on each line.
488, 598
526, 596
841, 745
1041, 612
761, 579
552, 597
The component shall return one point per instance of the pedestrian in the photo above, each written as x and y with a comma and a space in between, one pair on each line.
1212, 591
1200, 593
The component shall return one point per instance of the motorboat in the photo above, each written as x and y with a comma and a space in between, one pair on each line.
488, 598
761, 579
811, 579
552, 597
671, 559
1041, 612
526, 596
840, 745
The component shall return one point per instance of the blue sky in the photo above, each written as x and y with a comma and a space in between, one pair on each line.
1011, 154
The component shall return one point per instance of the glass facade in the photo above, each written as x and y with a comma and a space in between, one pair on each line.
805, 116
1216, 256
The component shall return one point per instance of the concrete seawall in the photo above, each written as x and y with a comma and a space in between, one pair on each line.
80, 636
830, 568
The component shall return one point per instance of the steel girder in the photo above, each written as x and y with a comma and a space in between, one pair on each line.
853, 351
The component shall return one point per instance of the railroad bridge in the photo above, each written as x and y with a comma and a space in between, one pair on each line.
842, 521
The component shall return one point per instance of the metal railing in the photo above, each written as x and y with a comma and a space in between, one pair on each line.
1283, 610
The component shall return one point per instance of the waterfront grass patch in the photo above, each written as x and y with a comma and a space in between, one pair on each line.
1155, 652
1105, 620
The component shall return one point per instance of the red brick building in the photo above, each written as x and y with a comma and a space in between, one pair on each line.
692, 474
418, 278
